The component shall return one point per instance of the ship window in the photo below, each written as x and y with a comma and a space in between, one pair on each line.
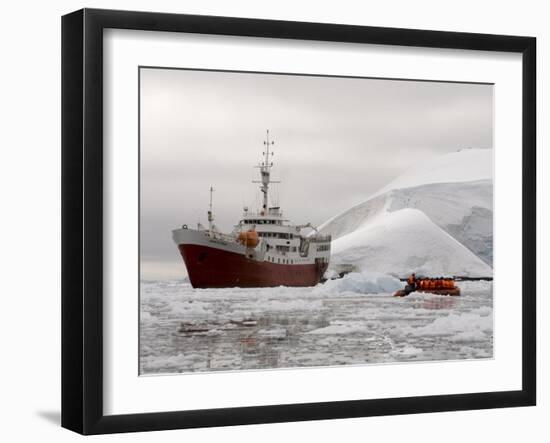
278, 260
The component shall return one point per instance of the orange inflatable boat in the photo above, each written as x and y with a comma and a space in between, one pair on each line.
438, 286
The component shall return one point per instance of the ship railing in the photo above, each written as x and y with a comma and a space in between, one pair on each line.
260, 214
220, 236
319, 238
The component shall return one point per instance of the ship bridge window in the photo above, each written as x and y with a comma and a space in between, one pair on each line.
285, 236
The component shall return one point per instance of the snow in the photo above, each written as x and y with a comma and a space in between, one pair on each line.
407, 241
463, 210
464, 165
453, 191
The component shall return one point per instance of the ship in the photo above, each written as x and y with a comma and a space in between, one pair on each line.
263, 250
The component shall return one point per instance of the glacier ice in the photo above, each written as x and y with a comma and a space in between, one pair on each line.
453, 191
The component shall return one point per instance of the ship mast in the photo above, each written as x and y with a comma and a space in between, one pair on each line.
265, 172
210, 213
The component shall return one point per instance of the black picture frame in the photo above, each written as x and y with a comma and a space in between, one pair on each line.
82, 219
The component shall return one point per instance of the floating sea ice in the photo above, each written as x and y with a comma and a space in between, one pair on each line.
191, 309
464, 327
409, 350
365, 282
341, 327
278, 334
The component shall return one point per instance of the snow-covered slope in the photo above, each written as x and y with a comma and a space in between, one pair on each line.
463, 210
453, 191
407, 241
454, 170
464, 165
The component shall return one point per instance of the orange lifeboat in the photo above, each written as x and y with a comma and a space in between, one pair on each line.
249, 239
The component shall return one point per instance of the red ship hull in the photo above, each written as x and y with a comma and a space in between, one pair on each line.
215, 268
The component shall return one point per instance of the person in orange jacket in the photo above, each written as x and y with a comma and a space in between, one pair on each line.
411, 283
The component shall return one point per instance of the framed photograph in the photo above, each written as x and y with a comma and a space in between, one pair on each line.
268, 221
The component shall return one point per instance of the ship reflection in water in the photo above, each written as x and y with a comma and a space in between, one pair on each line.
188, 330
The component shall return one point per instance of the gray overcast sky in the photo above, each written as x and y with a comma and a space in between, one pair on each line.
337, 140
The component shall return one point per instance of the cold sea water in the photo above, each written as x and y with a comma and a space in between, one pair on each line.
352, 321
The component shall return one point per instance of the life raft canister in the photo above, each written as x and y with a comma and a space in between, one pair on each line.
249, 239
